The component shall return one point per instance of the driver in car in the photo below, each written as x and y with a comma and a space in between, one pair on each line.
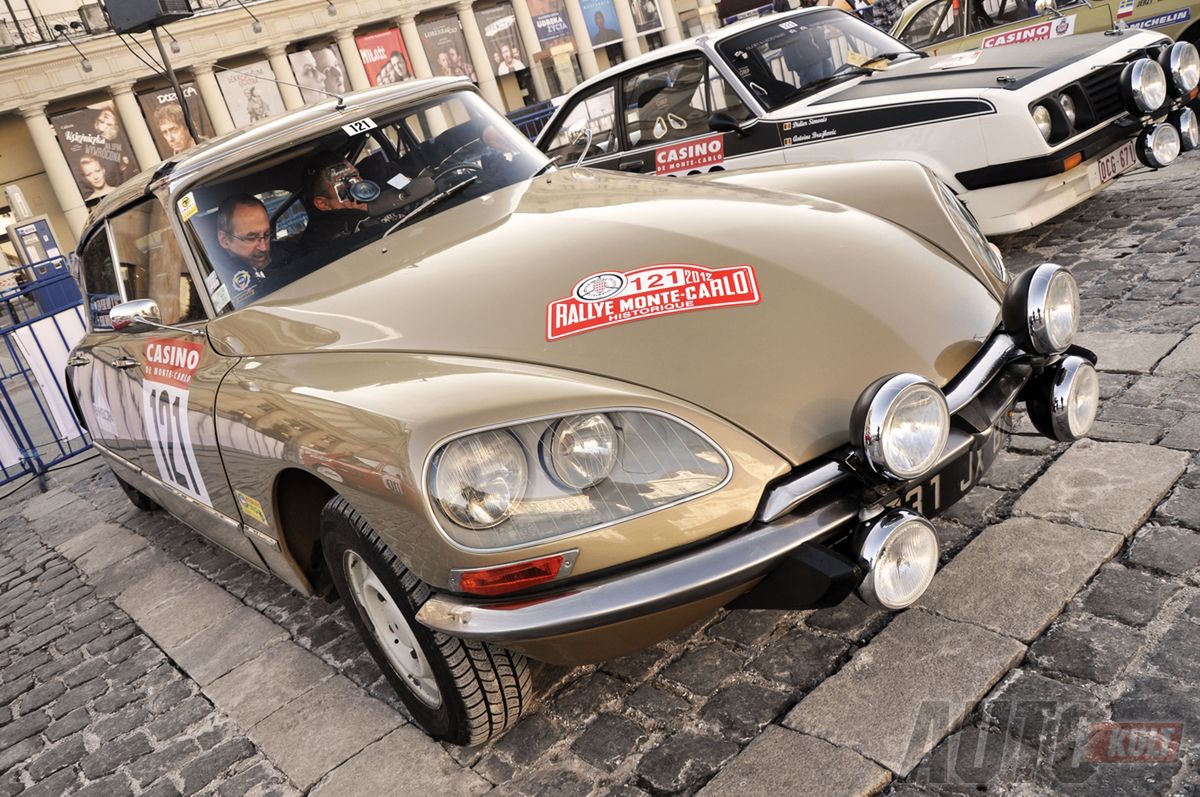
246, 239
336, 197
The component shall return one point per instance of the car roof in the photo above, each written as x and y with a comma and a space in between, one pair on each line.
268, 135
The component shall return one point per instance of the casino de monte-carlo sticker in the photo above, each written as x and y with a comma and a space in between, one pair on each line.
167, 373
1050, 29
688, 155
615, 297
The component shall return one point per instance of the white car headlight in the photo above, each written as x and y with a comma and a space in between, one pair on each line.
1189, 128
1041, 118
1143, 87
1068, 106
902, 422
1182, 63
1159, 145
551, 477
1041, 309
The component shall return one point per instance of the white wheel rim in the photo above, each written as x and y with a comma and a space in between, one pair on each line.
391, 631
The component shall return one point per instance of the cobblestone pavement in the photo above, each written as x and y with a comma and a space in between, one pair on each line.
137, 658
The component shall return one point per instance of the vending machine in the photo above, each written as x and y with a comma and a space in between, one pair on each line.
45, 265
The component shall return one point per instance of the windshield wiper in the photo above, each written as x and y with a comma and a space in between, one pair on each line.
895, 55
430, 202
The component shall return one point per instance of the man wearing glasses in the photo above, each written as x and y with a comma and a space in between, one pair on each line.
244, 233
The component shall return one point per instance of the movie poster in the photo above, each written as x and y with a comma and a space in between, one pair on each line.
164, 117
250, 92
601, 19
384, 57
498, 24
446, 48
646, 17
96, 147
550, 22
319, 72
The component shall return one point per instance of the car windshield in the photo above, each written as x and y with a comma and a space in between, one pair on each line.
782, 61
275, 220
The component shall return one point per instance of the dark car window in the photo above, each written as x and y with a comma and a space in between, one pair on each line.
779, 61
150, 264
666, 102
993, 13
100, 279
934, 23
596, 110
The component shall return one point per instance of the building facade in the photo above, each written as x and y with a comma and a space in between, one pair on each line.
82, 109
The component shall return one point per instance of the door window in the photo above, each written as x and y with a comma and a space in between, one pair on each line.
935, 23
595, 111
991, 13
100, 280
150, 264
666, 102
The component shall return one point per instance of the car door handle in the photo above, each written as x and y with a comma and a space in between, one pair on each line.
125, 363
631, 166
76, 360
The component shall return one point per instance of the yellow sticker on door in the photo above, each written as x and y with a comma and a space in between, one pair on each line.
250, 507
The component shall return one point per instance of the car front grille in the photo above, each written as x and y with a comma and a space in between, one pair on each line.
1102, 89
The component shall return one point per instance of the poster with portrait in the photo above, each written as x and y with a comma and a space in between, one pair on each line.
646, 16
250, 93
96, 147
164, 117
319, 72
550, 22
446, 48
498, 24
384, 57
601, 19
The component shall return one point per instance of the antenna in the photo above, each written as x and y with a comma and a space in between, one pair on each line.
341, 101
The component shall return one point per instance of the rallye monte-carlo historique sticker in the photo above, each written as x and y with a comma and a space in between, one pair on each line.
167, 377
615, 297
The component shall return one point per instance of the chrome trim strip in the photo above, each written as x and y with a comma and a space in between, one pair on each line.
982, 370
788, 496
686, 579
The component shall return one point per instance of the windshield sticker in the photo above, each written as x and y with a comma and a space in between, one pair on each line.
1126, 8
1162, 20
187, 206
701, 153
613, 297
250, 507
361, 126
212, 281
958, 59
1050, 29
220, 298
167, 377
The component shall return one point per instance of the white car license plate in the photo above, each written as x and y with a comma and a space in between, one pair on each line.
1109, 166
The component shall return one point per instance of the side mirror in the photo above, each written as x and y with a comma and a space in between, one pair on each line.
580, 132
1044, 7
139, 315
721, 122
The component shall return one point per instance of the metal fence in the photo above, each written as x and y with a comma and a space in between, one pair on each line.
41, 318
531, 119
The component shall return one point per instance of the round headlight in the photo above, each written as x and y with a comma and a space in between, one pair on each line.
901, 553
1159, 145
904, 427
1182, 62
1189, 128
583, 450
478, 480
1082, 399
1063, 400
1143, 86
1041, 118
1068, 106
1041, 309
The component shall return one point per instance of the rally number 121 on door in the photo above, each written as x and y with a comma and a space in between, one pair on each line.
168, 371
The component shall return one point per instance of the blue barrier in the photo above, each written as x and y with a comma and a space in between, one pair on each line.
531, 119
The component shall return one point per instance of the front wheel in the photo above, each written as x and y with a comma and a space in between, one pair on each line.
458, 690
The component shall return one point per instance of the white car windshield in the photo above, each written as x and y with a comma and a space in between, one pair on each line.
782, 61
272, 221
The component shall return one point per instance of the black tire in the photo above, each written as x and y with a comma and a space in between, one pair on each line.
484, 689
136, 496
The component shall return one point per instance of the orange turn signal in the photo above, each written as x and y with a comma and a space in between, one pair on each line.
1193, 93
510, 578
1072, 161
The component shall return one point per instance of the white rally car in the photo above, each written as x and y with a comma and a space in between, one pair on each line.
1021, 133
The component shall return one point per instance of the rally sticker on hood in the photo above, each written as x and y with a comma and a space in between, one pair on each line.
615, 297
703, 152
1050, 29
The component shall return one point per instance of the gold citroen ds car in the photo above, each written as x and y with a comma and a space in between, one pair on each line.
385, 350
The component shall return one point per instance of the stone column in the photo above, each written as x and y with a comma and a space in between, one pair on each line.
214, 100
583, 45
670, 20
541, 88
135, 125
412, 43
59, 172
352, 60
630, 42
480, 59
277, 55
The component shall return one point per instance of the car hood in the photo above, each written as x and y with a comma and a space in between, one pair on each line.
839, 298
1019, 64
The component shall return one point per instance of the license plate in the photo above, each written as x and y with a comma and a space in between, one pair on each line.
941, 490
1109, 166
